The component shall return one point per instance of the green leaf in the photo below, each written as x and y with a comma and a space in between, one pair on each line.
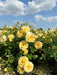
35, 56
30, 56
53, 54
7, 55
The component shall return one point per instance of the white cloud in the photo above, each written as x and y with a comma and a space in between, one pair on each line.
12, 7
46, 19
38, 5
16, 7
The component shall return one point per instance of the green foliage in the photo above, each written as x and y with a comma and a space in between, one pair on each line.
10, 51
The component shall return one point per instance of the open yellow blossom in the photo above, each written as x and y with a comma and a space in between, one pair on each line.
6, 26
25, 29
3, 38
11, 36
46, 32
23, 45
38, 44
5, 69
20, 70
22, 61
10, 27
30, 37
4, 31
25, 51
28, 67
20, 33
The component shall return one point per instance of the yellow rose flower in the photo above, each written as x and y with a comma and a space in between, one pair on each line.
11, 36
4, 31
20, 33
52, 31
25, 51
23, 45
5, 69
25, 29
22, 61
30, 37
38, 44
46, 32
20, 70
3, 38
10, 27
28, 67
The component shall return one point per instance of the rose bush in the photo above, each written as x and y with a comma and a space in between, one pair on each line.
21, 46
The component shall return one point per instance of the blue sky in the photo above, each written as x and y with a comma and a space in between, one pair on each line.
42, 13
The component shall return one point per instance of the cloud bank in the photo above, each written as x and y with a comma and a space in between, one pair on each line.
46, 19
39, 5
16, 7
12, 7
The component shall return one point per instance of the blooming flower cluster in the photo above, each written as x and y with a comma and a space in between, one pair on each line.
24, 65
24, 45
